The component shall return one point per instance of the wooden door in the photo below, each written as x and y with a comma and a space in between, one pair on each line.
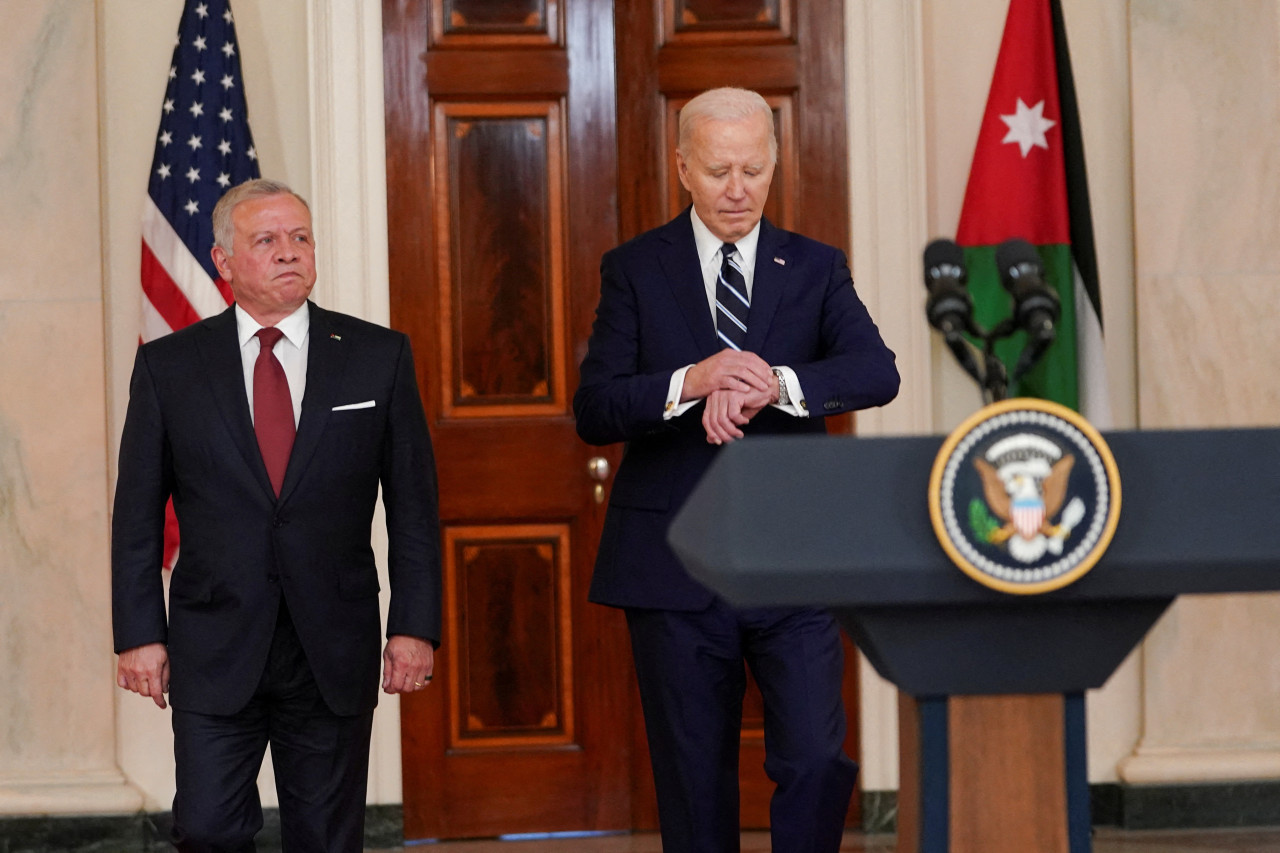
501, 200
791, 52
504, 190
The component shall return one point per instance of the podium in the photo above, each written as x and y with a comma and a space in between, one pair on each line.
989, 765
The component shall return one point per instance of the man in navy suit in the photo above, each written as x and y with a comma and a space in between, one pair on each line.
273, 628
714, 327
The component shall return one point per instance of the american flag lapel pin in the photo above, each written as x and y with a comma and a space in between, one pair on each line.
335, 337
780, 262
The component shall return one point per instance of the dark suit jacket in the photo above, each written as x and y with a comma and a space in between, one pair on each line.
653, 318
188, 434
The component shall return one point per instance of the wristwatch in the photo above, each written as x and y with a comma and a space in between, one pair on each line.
784, 399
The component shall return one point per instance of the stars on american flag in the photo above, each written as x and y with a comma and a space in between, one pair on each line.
203, 135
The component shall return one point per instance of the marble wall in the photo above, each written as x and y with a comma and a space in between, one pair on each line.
57, 729
1206, 119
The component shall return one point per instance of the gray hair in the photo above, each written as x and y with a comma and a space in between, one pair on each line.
223, 230
724, 104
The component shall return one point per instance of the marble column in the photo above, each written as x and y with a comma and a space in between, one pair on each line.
57, 739
1206, 116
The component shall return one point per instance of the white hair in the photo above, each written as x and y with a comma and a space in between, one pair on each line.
724, 104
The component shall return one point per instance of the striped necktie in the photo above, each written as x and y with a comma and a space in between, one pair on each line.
731, 300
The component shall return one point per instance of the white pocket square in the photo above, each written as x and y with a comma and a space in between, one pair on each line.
367, 404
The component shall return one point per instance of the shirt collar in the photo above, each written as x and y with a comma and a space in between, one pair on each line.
709, 244
294, 327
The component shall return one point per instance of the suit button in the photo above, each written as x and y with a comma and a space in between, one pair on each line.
831, 404
278, 521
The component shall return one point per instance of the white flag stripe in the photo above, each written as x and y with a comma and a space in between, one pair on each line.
1091, 361
179, 263
153, 325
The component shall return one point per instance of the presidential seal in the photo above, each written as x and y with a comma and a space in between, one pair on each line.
1025, 496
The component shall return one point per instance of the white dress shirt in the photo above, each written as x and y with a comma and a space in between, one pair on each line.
709, 256
290, 350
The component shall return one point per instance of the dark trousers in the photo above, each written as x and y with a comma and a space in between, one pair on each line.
321, 764
692, 679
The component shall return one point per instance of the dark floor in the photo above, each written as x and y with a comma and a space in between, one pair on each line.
1105, 841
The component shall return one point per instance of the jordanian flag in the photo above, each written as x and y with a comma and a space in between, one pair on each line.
1028, 180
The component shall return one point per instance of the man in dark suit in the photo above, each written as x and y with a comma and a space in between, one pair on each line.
272, 426
710, 328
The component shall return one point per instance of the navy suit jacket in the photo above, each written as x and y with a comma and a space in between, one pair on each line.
188, 434
653, 318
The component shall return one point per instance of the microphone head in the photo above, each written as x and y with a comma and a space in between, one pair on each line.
1016, 259
944, 259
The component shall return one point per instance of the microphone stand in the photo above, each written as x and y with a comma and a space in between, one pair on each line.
993, 378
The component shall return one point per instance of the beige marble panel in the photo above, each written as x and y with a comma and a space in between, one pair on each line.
48, 151
57, 743
1209, 349
57, 738
1206, 119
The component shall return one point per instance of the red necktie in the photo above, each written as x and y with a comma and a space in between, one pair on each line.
272, 408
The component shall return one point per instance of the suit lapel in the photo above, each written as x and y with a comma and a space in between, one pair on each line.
772, 271
220, 352
326, 363
679, 259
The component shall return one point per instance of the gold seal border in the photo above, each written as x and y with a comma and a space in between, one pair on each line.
971, 423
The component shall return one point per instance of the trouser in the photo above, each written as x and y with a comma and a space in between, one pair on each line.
321, 763
692, 680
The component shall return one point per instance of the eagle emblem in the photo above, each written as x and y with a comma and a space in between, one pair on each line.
1024, 484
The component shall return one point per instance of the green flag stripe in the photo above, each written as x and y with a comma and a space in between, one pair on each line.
1054, 376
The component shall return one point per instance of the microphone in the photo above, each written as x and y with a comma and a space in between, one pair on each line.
950, 307
1036, 307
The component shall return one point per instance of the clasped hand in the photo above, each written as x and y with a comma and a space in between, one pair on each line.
736, 386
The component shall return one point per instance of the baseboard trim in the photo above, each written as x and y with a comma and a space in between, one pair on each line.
1214, 805
149, 833
1189, 806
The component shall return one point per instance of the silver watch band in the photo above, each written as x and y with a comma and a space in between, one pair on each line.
784, 399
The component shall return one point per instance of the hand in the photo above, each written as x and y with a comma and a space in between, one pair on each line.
726, 411
145, 670
407, 664
727, 370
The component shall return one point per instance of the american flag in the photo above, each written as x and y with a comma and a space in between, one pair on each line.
203, 148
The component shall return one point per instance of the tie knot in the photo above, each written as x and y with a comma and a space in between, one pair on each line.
269, 337
727, 249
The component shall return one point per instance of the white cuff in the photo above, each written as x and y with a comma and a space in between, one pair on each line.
796, 404
673, 407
